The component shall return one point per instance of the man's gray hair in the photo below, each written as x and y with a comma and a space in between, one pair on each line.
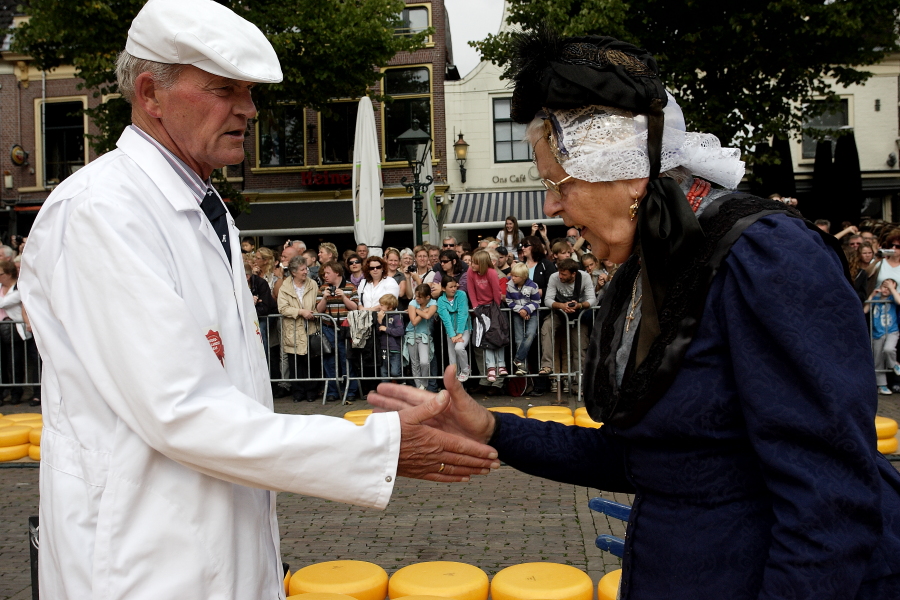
450, 237
129, 67
7, 252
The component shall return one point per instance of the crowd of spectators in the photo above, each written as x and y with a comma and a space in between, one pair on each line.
18, 352
429, 306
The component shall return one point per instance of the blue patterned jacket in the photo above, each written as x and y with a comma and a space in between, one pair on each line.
756, 475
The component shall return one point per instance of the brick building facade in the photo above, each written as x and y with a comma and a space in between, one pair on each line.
297, 174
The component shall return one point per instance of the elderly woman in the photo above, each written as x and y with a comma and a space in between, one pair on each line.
719, 360
296, 303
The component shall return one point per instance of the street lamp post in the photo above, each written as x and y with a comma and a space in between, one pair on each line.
415, 143
461, 149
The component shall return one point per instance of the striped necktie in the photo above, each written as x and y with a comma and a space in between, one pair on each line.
215, 211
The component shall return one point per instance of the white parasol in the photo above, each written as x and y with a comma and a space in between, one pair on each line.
368, 191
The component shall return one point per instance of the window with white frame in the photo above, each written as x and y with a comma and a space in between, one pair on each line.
829, 120
508, 135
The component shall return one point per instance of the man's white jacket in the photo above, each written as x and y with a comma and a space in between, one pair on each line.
157, 456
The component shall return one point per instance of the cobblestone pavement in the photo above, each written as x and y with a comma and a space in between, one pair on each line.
493, 522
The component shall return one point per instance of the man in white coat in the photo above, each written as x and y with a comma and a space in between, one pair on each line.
160, 442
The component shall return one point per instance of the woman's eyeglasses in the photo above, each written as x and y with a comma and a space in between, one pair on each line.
354, 262
375, 268
553, 186
445, 261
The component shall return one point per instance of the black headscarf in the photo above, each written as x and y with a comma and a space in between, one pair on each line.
564, 73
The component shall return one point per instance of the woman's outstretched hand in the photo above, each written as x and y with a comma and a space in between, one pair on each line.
463, 415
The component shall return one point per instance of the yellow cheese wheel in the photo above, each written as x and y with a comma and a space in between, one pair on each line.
888, 446
14, 436
357, 578
542, 581
581, 410
287, 582
440, 578
34, 452
560, 410
19, 417
357, 420
885, 428
14, 452
512, 410
558, 418
586, 421
608, 588
320, 596
6, 422
35, 436
358, 413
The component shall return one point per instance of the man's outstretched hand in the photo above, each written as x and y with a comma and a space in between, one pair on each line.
429, 453
453, 412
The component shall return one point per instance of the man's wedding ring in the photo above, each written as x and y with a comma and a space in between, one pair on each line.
441, 470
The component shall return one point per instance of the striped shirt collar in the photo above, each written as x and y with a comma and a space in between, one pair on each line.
190, 178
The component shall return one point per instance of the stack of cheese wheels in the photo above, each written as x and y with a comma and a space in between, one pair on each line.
542, 581
445, 579
608, 588
513, 410
559, 414
16, 435
886, 430
359, 579
583, 419
358, 417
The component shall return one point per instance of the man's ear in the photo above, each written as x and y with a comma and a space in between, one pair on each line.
145, 95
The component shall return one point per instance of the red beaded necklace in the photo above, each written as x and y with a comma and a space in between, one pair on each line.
699, 190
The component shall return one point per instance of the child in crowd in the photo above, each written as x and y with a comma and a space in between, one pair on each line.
484, 288
390, 329
418, 334
523, 297
883, 304
453, 309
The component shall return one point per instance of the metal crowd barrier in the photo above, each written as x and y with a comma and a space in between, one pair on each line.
363, 367
20, 364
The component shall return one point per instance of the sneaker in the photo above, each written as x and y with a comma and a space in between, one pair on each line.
463, 375
552, 385
422, 387
897, 370
520, 368
502, 372
566, 386
884, 391
492, 375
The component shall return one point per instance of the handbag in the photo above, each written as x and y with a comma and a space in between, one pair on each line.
317, 344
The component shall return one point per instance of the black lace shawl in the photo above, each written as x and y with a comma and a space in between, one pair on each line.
646, 380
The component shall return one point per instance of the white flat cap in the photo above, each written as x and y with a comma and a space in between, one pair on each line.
204, 34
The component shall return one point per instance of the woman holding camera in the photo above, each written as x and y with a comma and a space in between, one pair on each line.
416, 275
539, 230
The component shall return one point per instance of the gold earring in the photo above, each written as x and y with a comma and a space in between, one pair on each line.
633, 208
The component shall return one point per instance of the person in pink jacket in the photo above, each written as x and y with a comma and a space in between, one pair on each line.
484, 288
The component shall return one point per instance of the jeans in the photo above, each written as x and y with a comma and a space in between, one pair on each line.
524, 332
264, 334
494, 358
392, 368
457, 353
884, 350
435, 367
418, 358
330, 371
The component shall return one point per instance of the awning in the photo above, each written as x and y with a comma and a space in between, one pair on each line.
317, 217
490, 209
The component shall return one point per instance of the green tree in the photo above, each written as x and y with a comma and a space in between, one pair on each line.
327, 48
743, 71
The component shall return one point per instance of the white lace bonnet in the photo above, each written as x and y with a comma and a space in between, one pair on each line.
601, 143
